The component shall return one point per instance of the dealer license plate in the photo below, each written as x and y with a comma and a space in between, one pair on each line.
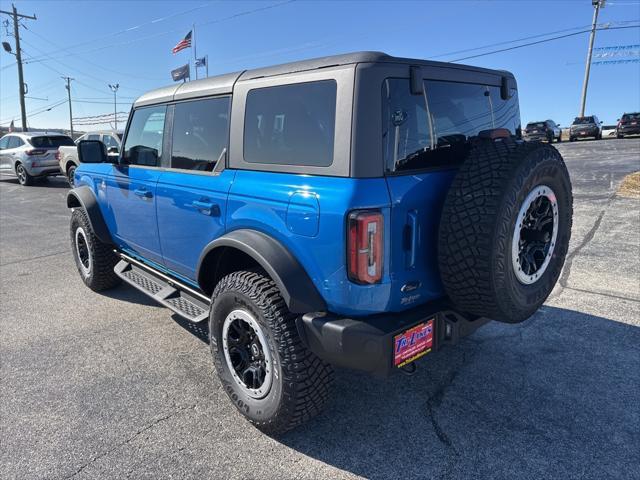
413, 343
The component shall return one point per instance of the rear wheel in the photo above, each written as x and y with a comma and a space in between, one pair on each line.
70, 175
505, 229
619, 135
94, 259
264, 367
23, 176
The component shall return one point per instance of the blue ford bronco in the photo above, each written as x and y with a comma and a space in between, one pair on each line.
359, 211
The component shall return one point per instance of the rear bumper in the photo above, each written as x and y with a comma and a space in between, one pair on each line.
367, 344
584, 133
628, 129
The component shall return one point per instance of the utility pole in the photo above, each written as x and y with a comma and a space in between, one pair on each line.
597, 4
14, 13
114, 89
68, 86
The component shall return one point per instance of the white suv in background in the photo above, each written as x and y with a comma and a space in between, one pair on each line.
30, 155
67, 156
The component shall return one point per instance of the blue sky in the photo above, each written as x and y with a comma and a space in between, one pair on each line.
130, 42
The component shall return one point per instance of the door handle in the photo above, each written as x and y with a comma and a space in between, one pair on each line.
206, 208
143, 193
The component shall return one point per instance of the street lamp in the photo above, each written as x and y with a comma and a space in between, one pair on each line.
114, 89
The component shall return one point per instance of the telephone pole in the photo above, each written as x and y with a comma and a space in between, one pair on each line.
597, 4
68, 79
114, 89
16, 32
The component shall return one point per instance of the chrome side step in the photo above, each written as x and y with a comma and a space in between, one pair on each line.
173, 294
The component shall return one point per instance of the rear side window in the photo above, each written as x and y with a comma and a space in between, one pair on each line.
291, 124
200, 132
51, 142
143, 145
109, 141
435, 129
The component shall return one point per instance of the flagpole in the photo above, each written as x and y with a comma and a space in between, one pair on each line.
195, 55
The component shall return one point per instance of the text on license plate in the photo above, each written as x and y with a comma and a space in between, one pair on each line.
413, 343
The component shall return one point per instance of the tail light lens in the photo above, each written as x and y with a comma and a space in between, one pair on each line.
58, 156
35, 151
364, 245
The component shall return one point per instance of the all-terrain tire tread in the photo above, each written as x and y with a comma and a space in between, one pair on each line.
306, 378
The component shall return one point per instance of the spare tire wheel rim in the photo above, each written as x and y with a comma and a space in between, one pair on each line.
247, 353
535, 233
82, 250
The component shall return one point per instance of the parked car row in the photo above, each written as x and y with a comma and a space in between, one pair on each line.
583, 127
31, 156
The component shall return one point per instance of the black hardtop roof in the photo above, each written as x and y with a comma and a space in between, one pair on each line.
221, 84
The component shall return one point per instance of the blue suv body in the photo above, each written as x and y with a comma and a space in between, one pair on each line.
322, 180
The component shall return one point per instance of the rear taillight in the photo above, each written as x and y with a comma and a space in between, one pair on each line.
35, 151
364, 246
58, 156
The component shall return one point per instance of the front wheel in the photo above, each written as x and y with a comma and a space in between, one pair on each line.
560, 138
95, 260
24, 178
265, 369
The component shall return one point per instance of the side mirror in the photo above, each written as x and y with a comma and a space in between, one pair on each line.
92, 151
557, 124
112, 150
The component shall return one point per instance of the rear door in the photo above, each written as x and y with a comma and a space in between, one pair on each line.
426, 137
131, 187
192, 192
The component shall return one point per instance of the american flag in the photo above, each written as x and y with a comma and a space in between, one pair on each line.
182, 44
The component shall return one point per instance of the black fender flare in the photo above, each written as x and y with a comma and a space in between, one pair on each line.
296, 287
83, 197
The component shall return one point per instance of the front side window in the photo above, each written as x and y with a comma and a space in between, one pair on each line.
435, 129
200, 131
291, 124
143, 145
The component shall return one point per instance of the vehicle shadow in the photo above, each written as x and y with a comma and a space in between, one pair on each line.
554, 397
47, 182
127, 293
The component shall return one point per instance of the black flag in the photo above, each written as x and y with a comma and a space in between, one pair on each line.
180, 73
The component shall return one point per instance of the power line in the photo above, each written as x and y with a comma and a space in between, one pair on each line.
540, 41
155, 35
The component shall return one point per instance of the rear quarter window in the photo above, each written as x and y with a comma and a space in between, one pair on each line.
291, 124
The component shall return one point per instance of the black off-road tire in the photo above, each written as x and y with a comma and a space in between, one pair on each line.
96, 272
478, 222
70, 175
301, 381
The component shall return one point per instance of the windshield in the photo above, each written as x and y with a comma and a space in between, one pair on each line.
583, 120
535, 125
51, 141
630, 116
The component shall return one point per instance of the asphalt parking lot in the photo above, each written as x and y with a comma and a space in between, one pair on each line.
113, 386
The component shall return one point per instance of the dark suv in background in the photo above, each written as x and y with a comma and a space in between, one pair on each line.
628, 124
583, 127
547, 130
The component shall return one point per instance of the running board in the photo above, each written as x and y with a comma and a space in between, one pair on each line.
180, 298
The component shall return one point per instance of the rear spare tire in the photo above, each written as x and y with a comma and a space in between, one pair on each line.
505, 229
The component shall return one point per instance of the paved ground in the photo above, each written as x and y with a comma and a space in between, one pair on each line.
111, 386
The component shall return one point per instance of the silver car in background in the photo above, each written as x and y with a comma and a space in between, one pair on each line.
30, 155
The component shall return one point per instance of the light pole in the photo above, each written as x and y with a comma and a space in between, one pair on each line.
597, 4
114, 89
